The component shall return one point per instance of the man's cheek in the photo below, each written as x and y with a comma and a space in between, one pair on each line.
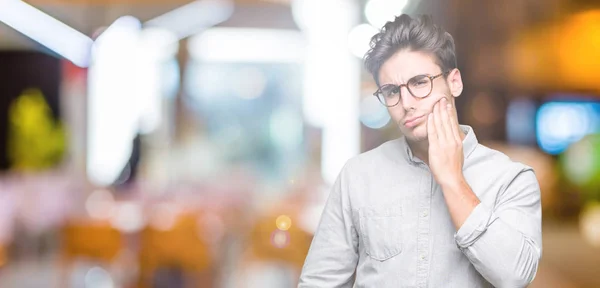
395, 113
438, 95
435, 98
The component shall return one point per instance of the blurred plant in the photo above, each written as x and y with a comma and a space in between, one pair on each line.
581, 165
36, 141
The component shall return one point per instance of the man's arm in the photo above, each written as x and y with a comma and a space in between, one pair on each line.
333, 254
504, 242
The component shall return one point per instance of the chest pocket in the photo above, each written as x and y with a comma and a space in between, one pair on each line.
381, 231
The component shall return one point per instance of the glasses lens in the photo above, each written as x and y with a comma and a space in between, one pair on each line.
420, 86
389, 95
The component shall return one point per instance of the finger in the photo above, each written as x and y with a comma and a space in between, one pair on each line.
437, 120
431, 133
455, 126
446, 110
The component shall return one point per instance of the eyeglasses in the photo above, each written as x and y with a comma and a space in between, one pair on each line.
419, 86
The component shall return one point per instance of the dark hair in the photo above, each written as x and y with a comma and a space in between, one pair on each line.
414, 34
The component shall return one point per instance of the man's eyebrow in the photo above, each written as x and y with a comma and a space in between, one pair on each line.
418, 75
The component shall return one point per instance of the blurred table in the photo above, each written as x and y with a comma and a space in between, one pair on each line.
567, 260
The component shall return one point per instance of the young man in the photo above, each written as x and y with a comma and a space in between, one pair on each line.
433, 208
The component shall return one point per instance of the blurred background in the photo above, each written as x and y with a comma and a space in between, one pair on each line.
154, 143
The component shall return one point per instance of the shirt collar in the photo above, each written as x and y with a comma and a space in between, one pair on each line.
469, 144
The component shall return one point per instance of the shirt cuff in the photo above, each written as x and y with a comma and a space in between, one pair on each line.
475, 225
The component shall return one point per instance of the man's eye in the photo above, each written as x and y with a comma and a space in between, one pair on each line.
419, 82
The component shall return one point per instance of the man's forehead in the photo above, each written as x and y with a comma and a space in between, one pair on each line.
403, 66
410, 62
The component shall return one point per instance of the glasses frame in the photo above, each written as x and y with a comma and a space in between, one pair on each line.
431, 78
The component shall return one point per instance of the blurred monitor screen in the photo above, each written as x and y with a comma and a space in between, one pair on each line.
564, 121
520, 122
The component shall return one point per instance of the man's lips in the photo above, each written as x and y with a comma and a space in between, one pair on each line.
412, 121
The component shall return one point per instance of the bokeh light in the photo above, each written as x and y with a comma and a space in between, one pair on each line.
100, 204
280, 239
560, 124
164, 216
359, 39
378, 12
128, 217
483, 110
373, 114
283, 222
581, 162
98, 278
590, 224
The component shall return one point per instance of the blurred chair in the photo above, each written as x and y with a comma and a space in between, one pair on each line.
99, 241
3, 255
277, 249
178, 251
271, 244
95, 241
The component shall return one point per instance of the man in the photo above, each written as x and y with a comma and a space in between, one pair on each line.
433, 208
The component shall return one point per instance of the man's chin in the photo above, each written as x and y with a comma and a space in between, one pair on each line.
416, 135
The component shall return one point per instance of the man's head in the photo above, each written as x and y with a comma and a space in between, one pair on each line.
413, 51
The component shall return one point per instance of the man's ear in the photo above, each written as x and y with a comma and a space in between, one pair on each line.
455, 82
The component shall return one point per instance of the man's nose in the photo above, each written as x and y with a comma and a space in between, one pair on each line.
407, 99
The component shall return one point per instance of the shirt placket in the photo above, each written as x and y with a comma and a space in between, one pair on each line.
423, 232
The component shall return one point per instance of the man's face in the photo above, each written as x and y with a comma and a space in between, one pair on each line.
411, 113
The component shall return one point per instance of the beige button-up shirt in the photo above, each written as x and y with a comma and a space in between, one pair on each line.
386, 224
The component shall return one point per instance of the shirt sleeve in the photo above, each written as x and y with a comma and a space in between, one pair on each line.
504, 242
333, 254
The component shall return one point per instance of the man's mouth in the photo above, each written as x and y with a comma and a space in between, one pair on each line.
413, 121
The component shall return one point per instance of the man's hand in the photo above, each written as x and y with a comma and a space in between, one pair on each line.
445, 144
446, 161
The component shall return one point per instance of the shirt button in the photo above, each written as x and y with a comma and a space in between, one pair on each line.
423, 257
424, 214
